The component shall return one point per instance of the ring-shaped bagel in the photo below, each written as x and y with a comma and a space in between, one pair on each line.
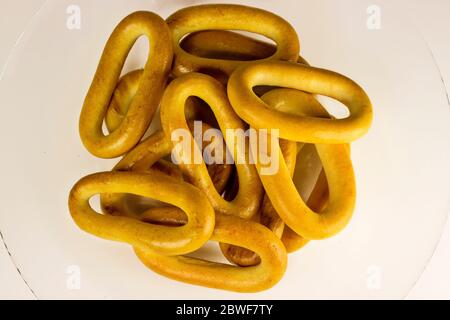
235, 231
229, 45
305, 78
247, 201
229, 17
161, 239
338, 169
148, 95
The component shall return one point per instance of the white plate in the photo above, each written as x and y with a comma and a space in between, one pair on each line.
402, 165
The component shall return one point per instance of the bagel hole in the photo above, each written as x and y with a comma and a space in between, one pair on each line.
197, 109
134, 203
209, 252
148, 210
172, 217
334, 107
308, 169
261, 90
141, 204
105, 130
94, 203
232, 187
138, 53
257, 36
241, 256
252, 46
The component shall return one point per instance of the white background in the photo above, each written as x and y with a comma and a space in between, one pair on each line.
432, 18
